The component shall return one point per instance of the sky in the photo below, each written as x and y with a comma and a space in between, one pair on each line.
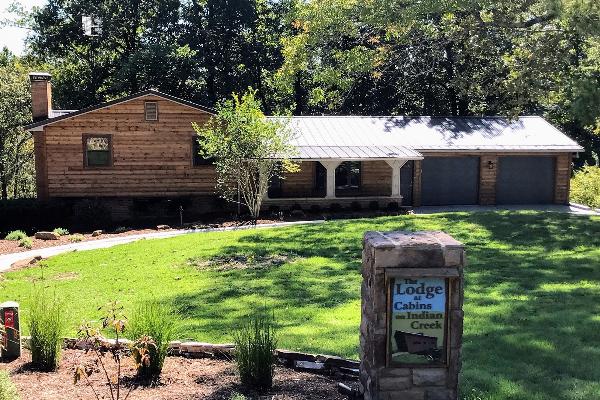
13, 37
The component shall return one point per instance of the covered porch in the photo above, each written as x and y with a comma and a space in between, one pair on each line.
343, 175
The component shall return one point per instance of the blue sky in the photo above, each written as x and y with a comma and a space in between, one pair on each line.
12, 37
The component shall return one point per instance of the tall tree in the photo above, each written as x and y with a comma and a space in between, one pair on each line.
16, 147
466, 57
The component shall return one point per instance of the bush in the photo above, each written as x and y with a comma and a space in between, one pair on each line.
46, 327
61, 231
76, 238
393, 206
585, 186
8, 391
16, 235
26, 242
315, 208
154, 326
91, 212
120, 229
255, 343
335, 207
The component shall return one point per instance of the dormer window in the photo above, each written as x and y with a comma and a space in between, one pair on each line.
151, 110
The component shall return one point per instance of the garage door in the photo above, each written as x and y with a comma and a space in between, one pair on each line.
525, 180
450, 180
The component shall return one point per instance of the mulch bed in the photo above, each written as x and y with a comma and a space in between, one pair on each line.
182, 379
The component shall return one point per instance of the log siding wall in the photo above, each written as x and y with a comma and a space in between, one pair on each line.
149, 158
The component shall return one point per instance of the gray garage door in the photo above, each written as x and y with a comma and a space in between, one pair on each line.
450, 180
525, 180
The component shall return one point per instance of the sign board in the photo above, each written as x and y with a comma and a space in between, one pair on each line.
417, 325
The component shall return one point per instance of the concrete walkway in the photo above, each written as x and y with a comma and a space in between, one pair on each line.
573, 208
6, 260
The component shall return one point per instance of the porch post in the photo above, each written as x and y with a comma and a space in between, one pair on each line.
330, 166
396, 165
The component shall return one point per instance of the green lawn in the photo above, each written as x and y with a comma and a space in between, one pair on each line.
532, 307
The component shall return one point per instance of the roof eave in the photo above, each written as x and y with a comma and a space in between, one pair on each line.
42, 123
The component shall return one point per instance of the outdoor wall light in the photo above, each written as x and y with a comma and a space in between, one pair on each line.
490, 164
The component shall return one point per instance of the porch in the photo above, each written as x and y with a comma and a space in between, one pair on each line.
345, 176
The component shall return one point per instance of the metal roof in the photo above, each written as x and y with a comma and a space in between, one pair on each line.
356, 152
522, 134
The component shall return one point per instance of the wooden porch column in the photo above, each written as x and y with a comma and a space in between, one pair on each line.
396, 166
330, 166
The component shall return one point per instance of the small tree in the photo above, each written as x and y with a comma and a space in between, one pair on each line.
248, 149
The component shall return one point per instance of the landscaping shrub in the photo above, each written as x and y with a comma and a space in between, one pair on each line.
154, 326
76, 238
16, 235
26, 242
335, 207
61, 231
585, 186
46, 327
8, 391
374, 205
393, 206
120, 229
255, 343
91, 212
315, 208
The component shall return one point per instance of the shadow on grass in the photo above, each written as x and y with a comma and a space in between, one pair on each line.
532, 301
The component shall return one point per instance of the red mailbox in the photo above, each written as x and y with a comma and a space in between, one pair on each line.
9, 317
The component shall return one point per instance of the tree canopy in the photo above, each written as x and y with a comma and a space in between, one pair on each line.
431, 57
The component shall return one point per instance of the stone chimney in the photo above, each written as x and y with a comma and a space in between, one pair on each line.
41, 95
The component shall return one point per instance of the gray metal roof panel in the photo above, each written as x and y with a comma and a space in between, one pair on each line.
432, 133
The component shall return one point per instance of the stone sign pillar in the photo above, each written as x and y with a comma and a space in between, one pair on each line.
411, 317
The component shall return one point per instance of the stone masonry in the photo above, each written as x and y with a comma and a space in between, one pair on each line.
410, 254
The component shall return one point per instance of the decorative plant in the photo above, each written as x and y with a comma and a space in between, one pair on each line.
155, 326
46, 327
61, 231
76, 238
255, 344
8, 391
248, 149
115, 321
2, 333
26, 242
15, 235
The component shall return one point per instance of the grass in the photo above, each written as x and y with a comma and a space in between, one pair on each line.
532, 306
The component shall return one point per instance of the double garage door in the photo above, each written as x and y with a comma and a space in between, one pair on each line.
519, 180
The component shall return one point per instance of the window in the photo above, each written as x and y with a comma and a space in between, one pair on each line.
151, 110
97, 151
347, 176
320, 177
197, 158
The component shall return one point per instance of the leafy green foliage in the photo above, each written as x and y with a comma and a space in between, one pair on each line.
26, 242
16, 145
76, 238
8, 391
114, 321
255, 344
153, 325
15, 235
46, 327
61, 231
585, 186
249, 149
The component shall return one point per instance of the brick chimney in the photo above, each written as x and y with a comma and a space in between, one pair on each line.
41, 95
